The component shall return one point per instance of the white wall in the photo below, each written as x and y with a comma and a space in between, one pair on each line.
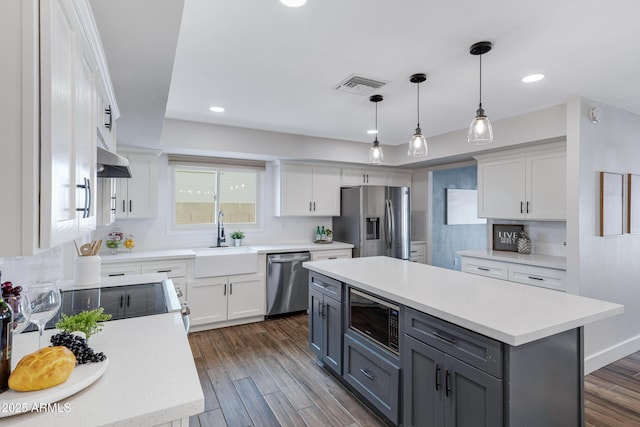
602, 267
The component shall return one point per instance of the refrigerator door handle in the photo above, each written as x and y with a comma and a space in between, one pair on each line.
393, 223
388, 220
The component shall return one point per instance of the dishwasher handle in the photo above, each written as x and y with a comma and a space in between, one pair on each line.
278, 259
284, 261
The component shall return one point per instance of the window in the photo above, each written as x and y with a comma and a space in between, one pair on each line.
201, 192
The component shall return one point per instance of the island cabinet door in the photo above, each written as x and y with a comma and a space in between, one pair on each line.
332, 355
472, 398
423, 381
316, 326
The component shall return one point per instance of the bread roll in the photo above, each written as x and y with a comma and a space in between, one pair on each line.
44, 368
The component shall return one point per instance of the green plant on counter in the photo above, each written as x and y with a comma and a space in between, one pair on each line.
328, 232
88, 322
237, 235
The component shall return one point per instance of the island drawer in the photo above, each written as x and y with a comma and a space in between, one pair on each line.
374, 374
477, 350
326, 285
485, 267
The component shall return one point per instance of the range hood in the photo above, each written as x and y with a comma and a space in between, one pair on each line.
112, 165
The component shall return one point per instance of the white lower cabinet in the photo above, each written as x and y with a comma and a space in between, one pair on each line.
545, 277
418, 252
220, 299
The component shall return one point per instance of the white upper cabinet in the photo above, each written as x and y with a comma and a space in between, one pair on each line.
363, 177
523, 184
137, 197
49, 122
375, 176
307, 190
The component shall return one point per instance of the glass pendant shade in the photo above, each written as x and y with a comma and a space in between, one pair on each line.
375, 154
480, 130
417, 144
376, 157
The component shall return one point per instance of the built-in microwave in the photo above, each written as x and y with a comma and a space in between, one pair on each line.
374, 318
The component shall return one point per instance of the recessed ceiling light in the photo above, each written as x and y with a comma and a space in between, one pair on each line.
216, 109
532, 78
372, 131
293, 3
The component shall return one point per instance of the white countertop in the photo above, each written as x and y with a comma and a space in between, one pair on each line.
508, 312
151, 378
125, 256
548, 261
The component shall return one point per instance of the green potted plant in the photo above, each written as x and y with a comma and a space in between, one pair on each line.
237, 237
329, 235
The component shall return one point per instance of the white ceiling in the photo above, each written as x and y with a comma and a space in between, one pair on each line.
275, 68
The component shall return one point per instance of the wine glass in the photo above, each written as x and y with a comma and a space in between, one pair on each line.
21, 312
44, 298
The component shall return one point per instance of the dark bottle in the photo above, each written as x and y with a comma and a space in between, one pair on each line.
6, 334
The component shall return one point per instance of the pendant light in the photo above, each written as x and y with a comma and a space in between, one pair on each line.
375, 154
480, 130
417, 142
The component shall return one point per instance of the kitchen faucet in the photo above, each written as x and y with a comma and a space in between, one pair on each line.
221, 238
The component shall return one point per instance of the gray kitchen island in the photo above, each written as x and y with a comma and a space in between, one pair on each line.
460, 350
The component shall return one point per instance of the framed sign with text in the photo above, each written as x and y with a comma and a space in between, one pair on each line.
505, 237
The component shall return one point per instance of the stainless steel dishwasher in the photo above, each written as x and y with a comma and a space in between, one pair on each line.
287, 283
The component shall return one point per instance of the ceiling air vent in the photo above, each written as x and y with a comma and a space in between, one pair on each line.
360, 85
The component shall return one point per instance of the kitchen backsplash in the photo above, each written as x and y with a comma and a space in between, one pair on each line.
547, 237
24, 270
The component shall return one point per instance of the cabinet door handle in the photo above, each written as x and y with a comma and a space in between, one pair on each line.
230, 288
314, 206
128, 300
521, 207
310, 206
367, 374
437, 377
333, 257
527, 206
225, 290
364, 178
107, 112
130, 205
448, 340
320, 311
536, 278
483, 269
116, 274
447, 386
164, 271
124, 205
367, 178
87, 198
121, 301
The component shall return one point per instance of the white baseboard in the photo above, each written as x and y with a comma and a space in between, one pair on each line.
611, 354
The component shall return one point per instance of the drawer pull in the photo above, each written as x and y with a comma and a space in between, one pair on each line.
437, 378
483, 269
447, 386
333, 257
536, 278
367, 374
164, 271
116, 274
448, 340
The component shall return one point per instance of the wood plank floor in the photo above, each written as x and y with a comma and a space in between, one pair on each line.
263, 374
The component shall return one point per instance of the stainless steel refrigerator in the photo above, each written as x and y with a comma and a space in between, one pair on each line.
375, 219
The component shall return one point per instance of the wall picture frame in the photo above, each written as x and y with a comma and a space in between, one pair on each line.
505, 237
633, 203
611, 203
